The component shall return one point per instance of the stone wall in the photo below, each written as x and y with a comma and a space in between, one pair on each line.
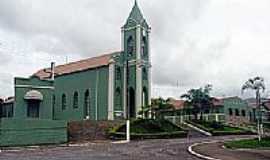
90, 130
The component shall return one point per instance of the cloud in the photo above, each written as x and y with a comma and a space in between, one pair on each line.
193, 42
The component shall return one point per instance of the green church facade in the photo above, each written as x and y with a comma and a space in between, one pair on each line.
98, 88
94, 88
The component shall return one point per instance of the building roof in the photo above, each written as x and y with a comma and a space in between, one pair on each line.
267, 105
77, 66
9, 100
217, 102
230, 98
136, 13
177, 104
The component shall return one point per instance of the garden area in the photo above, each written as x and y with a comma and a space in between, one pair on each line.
219, 129
249, 144
149, 129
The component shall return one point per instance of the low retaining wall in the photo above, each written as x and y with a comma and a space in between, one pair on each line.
90, 130
18, 132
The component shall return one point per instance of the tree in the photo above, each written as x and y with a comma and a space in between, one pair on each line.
256, 84
158, 105
145, 111
198, 99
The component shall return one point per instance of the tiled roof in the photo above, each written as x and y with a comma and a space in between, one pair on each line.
217, 102
10, 100
177, 104
229, 98
78, 66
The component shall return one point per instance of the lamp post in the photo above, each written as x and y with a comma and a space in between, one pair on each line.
127, 103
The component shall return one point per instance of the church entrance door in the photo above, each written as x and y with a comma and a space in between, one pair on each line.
132, 109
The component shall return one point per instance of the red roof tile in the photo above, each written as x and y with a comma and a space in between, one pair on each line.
217, 102
78, 66
177, 104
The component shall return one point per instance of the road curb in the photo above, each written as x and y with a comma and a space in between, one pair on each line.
191, 151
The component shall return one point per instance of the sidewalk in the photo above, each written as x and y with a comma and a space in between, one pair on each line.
215, 150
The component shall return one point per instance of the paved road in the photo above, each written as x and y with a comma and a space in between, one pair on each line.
216, 150
170, 149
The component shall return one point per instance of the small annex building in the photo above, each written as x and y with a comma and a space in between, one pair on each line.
97, 88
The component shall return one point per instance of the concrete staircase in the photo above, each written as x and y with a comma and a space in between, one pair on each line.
198, 130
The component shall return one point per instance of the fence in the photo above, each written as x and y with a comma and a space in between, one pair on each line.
206, 117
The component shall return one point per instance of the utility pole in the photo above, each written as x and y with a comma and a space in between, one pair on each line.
259, 119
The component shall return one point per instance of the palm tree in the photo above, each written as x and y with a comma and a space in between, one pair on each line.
256, 84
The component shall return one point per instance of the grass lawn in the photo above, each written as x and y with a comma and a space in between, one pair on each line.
149, 129
251, 143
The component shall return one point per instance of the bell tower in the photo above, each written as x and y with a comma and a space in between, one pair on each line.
136, 59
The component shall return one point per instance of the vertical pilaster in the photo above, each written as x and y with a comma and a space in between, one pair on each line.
111, 91
138, 42
125, 92
149, 69
138, 70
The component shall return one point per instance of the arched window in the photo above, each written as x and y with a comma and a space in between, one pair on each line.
250, 116
145, 74
237, 112
86, 104
118, 73
230, 112
118, 97
130, 46
243, 113
64, 102
53, 106
76, 100
144, 44
145, 97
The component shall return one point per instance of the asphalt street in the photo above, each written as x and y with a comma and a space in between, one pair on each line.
169, 149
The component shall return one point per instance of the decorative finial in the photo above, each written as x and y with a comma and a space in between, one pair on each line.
135, 2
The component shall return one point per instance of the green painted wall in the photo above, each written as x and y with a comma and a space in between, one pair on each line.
14, 132
235, 103
96, 81
22, 86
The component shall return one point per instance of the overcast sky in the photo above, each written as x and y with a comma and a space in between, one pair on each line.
193, 43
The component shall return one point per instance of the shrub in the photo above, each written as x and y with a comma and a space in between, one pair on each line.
149, 129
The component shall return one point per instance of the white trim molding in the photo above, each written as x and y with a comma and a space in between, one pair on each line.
125, 92
138, 71
34, 87
111, 91
138, 43
149, 70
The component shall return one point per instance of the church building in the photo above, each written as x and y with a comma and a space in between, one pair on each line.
107, 87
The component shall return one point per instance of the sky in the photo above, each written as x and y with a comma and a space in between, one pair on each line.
193, 42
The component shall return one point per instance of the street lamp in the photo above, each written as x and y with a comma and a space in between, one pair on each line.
127, 101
